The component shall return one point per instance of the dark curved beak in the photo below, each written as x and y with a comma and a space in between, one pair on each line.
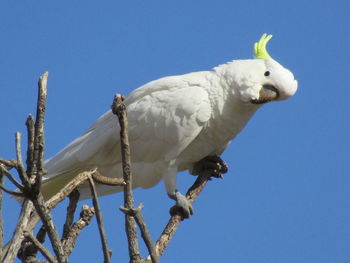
267, 93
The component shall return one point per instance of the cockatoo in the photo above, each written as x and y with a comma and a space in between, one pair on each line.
174, 122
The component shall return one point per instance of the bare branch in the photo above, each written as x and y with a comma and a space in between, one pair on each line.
20, 168
17, 237
11, 178
17, 194
42, 249
28, 251
68, 242
32, 190
119, 109
38, 153
46, 218
146, 237
9, 164
30, 148
101, 228
68, 189
99, 178
73, 201
175, 220
136, 213
61, 195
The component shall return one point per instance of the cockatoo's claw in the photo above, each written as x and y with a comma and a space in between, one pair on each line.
213, 164
177, 210
182, 207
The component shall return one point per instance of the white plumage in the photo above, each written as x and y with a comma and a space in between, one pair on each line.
173, 123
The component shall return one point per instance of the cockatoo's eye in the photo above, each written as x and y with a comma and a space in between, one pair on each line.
267, 73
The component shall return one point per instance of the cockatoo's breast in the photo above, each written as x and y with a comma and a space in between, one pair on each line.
229, 117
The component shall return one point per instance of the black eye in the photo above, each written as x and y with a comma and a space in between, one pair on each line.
267, 73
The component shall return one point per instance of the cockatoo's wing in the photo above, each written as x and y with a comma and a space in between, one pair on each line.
164, 117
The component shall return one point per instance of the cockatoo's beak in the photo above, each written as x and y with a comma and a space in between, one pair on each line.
267, 93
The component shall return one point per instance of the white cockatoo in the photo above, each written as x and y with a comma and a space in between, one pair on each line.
174, 122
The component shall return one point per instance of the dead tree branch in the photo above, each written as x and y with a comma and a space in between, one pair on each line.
100, 179
38, 147
50, 227
13, 193
17, 238
176, 218
9, 164
72, 206
136, 213
70, 238
28, 251
39, 246
3, 171
66, 191
101, 228
34, 208
30, 147
119, 109
32, 188
20, 168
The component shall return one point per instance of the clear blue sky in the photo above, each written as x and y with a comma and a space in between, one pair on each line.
286, 196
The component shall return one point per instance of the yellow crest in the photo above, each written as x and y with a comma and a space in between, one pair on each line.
260, 47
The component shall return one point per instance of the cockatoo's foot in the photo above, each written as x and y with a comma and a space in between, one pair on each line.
213, 164
183, 206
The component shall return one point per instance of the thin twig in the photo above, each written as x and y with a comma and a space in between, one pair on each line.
30, 148
20, 168
9, 164
13, 193
146, 237
18, 149
136, 213
11, 178
42, 249
68, 242
73, 201
119, 109
101, 228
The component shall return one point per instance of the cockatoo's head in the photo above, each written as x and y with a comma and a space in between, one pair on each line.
261, 80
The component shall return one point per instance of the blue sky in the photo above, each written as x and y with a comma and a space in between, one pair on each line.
286, 196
